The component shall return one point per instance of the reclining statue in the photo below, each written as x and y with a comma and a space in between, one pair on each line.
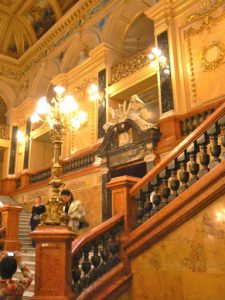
135, 111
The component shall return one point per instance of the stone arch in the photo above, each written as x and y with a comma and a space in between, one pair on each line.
41, 82
8, 95
120, 20
80, 47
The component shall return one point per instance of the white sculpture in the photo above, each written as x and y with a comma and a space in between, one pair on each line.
135, 111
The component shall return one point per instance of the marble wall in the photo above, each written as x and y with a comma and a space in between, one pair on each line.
86, 188
188, 264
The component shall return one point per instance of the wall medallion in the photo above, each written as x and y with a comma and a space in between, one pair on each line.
212, 56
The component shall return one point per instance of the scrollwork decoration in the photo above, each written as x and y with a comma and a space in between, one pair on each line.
205, 15
212, 64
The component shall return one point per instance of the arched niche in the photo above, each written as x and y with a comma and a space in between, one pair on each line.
139, 35
80, 47
121, 19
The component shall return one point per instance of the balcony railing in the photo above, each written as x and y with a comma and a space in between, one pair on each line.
130, 65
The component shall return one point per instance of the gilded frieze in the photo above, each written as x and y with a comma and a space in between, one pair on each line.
130, 65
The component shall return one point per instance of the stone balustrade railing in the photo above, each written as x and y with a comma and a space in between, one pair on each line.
130, 65
79, 162
40, 175
194, 157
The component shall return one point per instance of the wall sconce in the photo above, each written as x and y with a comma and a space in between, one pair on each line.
157, 59
93, 92
89, 88
21, 140
20, 136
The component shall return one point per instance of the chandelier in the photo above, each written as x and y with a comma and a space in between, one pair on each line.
59, 115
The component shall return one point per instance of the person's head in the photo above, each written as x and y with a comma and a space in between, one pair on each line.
38, 200
67, 196
8, 267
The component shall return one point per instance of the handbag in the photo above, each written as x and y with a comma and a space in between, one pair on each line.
36, 217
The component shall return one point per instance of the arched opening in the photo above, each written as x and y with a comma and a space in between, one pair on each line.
139, 36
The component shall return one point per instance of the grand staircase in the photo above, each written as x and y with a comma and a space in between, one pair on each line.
28, 253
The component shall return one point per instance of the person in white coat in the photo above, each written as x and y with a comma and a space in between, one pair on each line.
74, 209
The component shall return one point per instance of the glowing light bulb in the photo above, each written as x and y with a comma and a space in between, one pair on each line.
151, 56
59, 90
75, 123
20, 136
153, 64
162, 59
35, 118
43, 107
82, 116
156, 51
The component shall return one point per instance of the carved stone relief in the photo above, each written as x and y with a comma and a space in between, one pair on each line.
204, 51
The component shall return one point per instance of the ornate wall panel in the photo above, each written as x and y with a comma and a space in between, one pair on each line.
203, 51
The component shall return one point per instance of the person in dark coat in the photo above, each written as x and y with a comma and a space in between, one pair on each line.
37, 210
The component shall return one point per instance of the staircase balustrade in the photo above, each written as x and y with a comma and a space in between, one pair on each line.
193, 158
77, 163
40, 175
96, 253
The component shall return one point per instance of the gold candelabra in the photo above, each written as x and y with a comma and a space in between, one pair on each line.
59, 115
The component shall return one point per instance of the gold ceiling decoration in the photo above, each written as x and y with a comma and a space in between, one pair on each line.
71, 22
24, 22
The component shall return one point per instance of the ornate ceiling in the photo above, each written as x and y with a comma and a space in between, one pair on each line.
23, 22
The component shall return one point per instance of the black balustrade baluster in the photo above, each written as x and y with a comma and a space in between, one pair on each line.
155, 196
75, 164
86, 267
203, 156
95, 259
165, 190
114, 247
147, 203
76, 273
183, 174
174, 183
190, 124
201, 118
195, 121
140, 208
215, 148
192, 150
105, 253
184, 127
221, 123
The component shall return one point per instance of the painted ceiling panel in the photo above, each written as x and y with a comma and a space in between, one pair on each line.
33, 17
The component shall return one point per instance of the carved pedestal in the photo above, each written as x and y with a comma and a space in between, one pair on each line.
53, 269
10, 220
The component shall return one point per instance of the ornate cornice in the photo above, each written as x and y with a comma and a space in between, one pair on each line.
55, 37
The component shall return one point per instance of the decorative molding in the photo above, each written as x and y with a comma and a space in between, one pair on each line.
205, 16
211, 62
